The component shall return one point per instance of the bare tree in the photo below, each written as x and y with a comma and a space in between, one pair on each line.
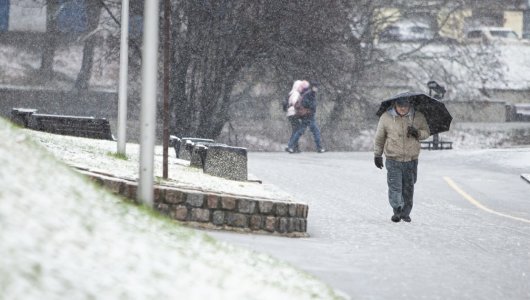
336, 43
50, 43
93, 11
213, 42
53, 37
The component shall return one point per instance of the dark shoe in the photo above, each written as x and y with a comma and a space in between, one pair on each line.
290, 150
406, 219
395, 218
321, 150
297, 150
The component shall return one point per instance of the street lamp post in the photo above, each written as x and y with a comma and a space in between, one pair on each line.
124, 64
165, 133
148, 105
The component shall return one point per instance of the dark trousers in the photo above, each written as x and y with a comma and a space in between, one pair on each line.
295, 124
401, 177
310, 122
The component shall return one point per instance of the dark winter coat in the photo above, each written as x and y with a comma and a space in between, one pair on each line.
310, 101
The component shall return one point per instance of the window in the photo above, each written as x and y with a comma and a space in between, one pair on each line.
504, 34
417, 29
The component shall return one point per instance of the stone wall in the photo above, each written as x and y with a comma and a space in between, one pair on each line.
100, 104
510, 96
94, 103
217, 211
477, 111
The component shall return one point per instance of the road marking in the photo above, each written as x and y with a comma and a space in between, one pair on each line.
471, 200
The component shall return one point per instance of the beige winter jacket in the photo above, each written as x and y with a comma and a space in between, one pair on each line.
391, 136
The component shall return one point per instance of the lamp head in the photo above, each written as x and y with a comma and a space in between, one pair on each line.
438, 89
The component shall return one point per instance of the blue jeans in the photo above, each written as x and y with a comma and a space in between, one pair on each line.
295, 123
401, 177
312, 123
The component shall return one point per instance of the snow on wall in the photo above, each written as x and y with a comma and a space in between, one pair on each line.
27, 15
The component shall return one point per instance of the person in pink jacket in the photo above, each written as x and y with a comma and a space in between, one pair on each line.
294, 95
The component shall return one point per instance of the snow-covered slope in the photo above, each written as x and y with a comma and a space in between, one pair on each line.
63, 238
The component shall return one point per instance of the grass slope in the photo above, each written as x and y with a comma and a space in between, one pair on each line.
64, 238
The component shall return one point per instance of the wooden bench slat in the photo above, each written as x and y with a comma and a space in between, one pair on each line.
442, 145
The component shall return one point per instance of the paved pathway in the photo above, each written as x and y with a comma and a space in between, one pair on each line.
469, 237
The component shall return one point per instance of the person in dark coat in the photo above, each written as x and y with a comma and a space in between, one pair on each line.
309, 101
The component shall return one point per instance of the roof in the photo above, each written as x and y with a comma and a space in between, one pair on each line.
490, 28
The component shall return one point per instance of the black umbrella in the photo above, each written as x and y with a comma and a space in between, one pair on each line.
438, 118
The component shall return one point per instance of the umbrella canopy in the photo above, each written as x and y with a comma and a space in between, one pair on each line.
438, 118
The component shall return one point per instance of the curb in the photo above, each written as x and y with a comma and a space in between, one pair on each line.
526, 177
211, 210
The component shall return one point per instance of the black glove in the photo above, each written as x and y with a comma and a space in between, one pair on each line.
378, 160
413, 132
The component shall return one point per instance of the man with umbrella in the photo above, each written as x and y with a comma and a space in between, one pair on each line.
399, 131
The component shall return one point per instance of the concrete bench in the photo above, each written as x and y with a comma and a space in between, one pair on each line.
226, 162
215, 159
430, 145
197, 154
81, 126
179, 144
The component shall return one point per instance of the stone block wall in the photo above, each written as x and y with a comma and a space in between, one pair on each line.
477, 111
217, 211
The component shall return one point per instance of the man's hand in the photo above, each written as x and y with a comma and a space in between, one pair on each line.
378, 160
413, 132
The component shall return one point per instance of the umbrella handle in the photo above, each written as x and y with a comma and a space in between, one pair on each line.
413, 116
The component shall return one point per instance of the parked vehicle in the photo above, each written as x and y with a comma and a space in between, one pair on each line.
491, 34
406, 31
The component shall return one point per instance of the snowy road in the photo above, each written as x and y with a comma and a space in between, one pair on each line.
469, 237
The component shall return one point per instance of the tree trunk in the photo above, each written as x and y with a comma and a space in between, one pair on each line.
93, 10
50, 43
85, 72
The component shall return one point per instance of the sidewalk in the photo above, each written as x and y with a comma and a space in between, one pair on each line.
188, 195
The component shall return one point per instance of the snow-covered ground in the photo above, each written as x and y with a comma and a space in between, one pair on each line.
64, 238
97, 155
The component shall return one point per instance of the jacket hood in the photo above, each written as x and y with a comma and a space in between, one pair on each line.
392, 111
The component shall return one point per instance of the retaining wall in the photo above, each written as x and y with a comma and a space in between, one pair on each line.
217, 211
477, 111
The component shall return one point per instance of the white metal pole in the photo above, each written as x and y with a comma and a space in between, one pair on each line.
148, 106
124, 66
